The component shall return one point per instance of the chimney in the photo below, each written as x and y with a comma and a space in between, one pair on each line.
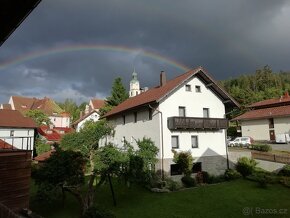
162, 78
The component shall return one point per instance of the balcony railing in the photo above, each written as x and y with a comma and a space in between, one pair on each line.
196, 123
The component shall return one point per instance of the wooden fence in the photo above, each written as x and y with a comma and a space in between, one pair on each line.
15, 171
271, 157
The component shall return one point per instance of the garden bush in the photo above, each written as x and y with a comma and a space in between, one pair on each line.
212, 179
285, 171
245, 166
231, 174
202, 177
172, 185
261, 147
188, 181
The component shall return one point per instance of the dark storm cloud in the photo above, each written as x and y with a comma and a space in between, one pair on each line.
226, 37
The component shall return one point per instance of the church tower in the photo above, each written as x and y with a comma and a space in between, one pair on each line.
134, 85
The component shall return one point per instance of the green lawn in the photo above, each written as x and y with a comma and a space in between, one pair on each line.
221, 200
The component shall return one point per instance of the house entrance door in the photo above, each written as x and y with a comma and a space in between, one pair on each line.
272, 135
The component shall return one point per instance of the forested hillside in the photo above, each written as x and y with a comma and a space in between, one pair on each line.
261, 85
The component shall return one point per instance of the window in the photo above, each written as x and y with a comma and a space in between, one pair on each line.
271, 123
124, 119
181, 111
188, 88
197, 89
11, 132
206, 112
28, 132
194, 141
150, 113
196, 167
175, 169
174, 141
135, 117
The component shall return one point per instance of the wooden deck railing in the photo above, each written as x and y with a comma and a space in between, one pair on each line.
271, 157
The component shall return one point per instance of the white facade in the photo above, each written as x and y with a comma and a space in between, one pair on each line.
93, 117
21, 138
194, 96
259, 129
60, 121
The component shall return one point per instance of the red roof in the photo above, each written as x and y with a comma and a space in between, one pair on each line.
155, 94
55, 134
265, 113
6, 106
44, 156
97, 103
12, 118
271, 102
5, 145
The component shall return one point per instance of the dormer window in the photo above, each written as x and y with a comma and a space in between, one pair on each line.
24, 106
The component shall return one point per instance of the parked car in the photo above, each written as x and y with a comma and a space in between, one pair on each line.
241, 141
282, 138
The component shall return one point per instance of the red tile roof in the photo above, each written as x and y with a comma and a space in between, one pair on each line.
53, 135
265, 113
6, 106
44, 156
5, 145
84, 117
272, 102
155, 94
46, 105
97, 103
12, 118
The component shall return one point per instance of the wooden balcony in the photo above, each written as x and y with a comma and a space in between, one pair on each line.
196, 123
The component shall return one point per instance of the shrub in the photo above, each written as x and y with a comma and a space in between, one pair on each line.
172, 185
262, 181
202, 177
95, 212
231, 174
245, 166
188, 181
261, 147
261, 175
285, 171
215, 179
184, 159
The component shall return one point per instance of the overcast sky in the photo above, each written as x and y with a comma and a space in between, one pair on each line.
71, 48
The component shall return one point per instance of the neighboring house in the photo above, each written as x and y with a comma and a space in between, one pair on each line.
186, 113
266, 119
53, 135
91, 113
57, 116
16, 130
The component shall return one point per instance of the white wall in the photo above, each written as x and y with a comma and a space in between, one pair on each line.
58, 121
134, 131
257, 129
27, 141
94, 117
282, 125
211, 141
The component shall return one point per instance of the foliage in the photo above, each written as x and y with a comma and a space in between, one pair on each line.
172, 185
212, 179
39, 117
263, 84
245, 166
41, 147
261, 147
184, 159
118, 95
232, 131
96, 212
72, 108
285, 171
202, 177
231, 174
188, 181
147, 152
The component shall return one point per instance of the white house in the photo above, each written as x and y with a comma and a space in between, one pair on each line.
91, 113
185, 113
266, 119
57, 116
16, 130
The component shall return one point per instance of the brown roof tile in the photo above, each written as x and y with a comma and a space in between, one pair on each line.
265, 113
6, 106
97, 103
285, 99
13, 118
157, 93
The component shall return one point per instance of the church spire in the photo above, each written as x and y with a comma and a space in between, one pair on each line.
134, 85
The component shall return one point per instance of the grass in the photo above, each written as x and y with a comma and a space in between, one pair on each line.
221, 200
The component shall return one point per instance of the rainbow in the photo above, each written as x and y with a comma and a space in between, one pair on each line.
89, 47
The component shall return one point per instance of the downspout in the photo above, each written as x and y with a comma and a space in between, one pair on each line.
162, 142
